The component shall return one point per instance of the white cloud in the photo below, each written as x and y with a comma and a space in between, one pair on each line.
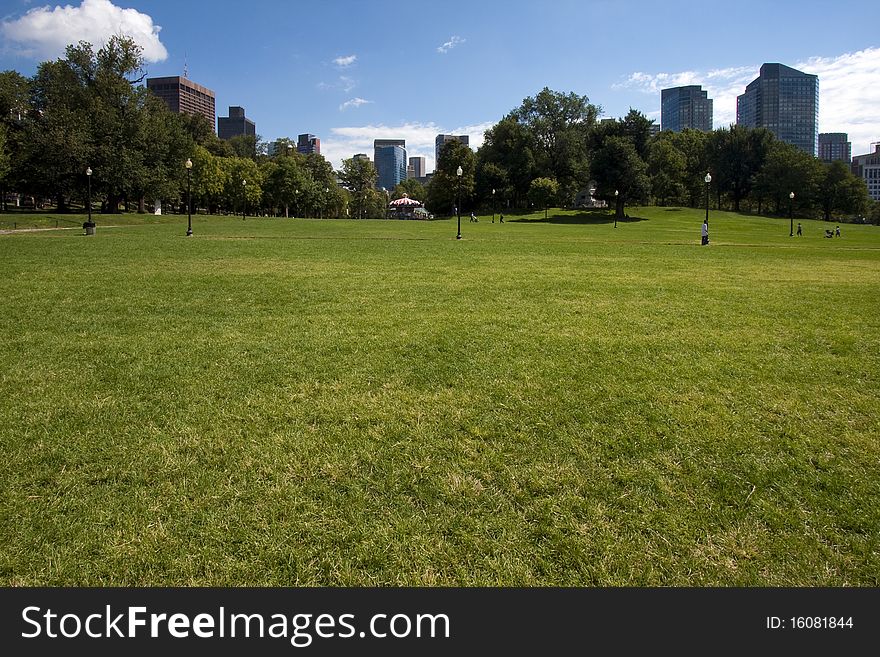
347, 83
354, 102
344, 83
449, 45
346, 141
45, 32
345, 62
849, 96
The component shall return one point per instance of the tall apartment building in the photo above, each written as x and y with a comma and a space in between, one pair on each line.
389, 157
685, 107
235, 124
867, 167
306, 144
185, 96
835, 146
416, 168
442, 140
786, 102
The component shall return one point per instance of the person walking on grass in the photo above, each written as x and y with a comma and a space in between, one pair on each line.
502, 218
705, 232
473, 218
837, 231
800, 232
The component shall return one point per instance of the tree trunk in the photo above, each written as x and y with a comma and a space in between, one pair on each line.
142, 205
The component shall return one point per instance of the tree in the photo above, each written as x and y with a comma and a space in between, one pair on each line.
412, 188
359, 177
559, 124
509, 148
318, 195
447, 189
666, 167
14, 93
840, 191
618, 167
736, 155
250, 146
692, 144
286, 181
243, 189
787, 169
542, 192
201, 131
4, 164
209, 177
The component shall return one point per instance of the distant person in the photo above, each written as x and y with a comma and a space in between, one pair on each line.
837, 231
502, 218
705, 232
800, 232
473, 218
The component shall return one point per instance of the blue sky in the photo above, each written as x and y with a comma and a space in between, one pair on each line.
352, 71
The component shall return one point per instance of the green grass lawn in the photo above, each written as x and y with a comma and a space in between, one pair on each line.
303, 402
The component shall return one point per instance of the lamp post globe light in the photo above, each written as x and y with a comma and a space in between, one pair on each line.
708, 179
89, 225
458, 173
790, 215
616, 194
189, 219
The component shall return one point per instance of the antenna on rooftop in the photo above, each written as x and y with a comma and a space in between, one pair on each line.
185, 67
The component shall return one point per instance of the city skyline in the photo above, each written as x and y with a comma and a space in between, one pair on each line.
323, 72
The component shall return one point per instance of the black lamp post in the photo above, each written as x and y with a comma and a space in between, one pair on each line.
189, 218
458, 173
243, 199
616, 194
708, 179
90, 225
790, 215
326, 198
493, 205
296, 202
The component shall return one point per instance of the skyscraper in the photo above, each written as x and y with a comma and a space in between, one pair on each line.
306, 144
185, 96
685, 107
235, 124
786, 102
835, 146
417, 164
441, 140
389, 157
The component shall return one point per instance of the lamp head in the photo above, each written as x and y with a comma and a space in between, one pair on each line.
189, 163
88, 171
458, 171
708, 178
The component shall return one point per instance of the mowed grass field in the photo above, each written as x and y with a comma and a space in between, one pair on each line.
340, 403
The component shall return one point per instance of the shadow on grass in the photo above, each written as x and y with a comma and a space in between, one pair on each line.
583, 217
